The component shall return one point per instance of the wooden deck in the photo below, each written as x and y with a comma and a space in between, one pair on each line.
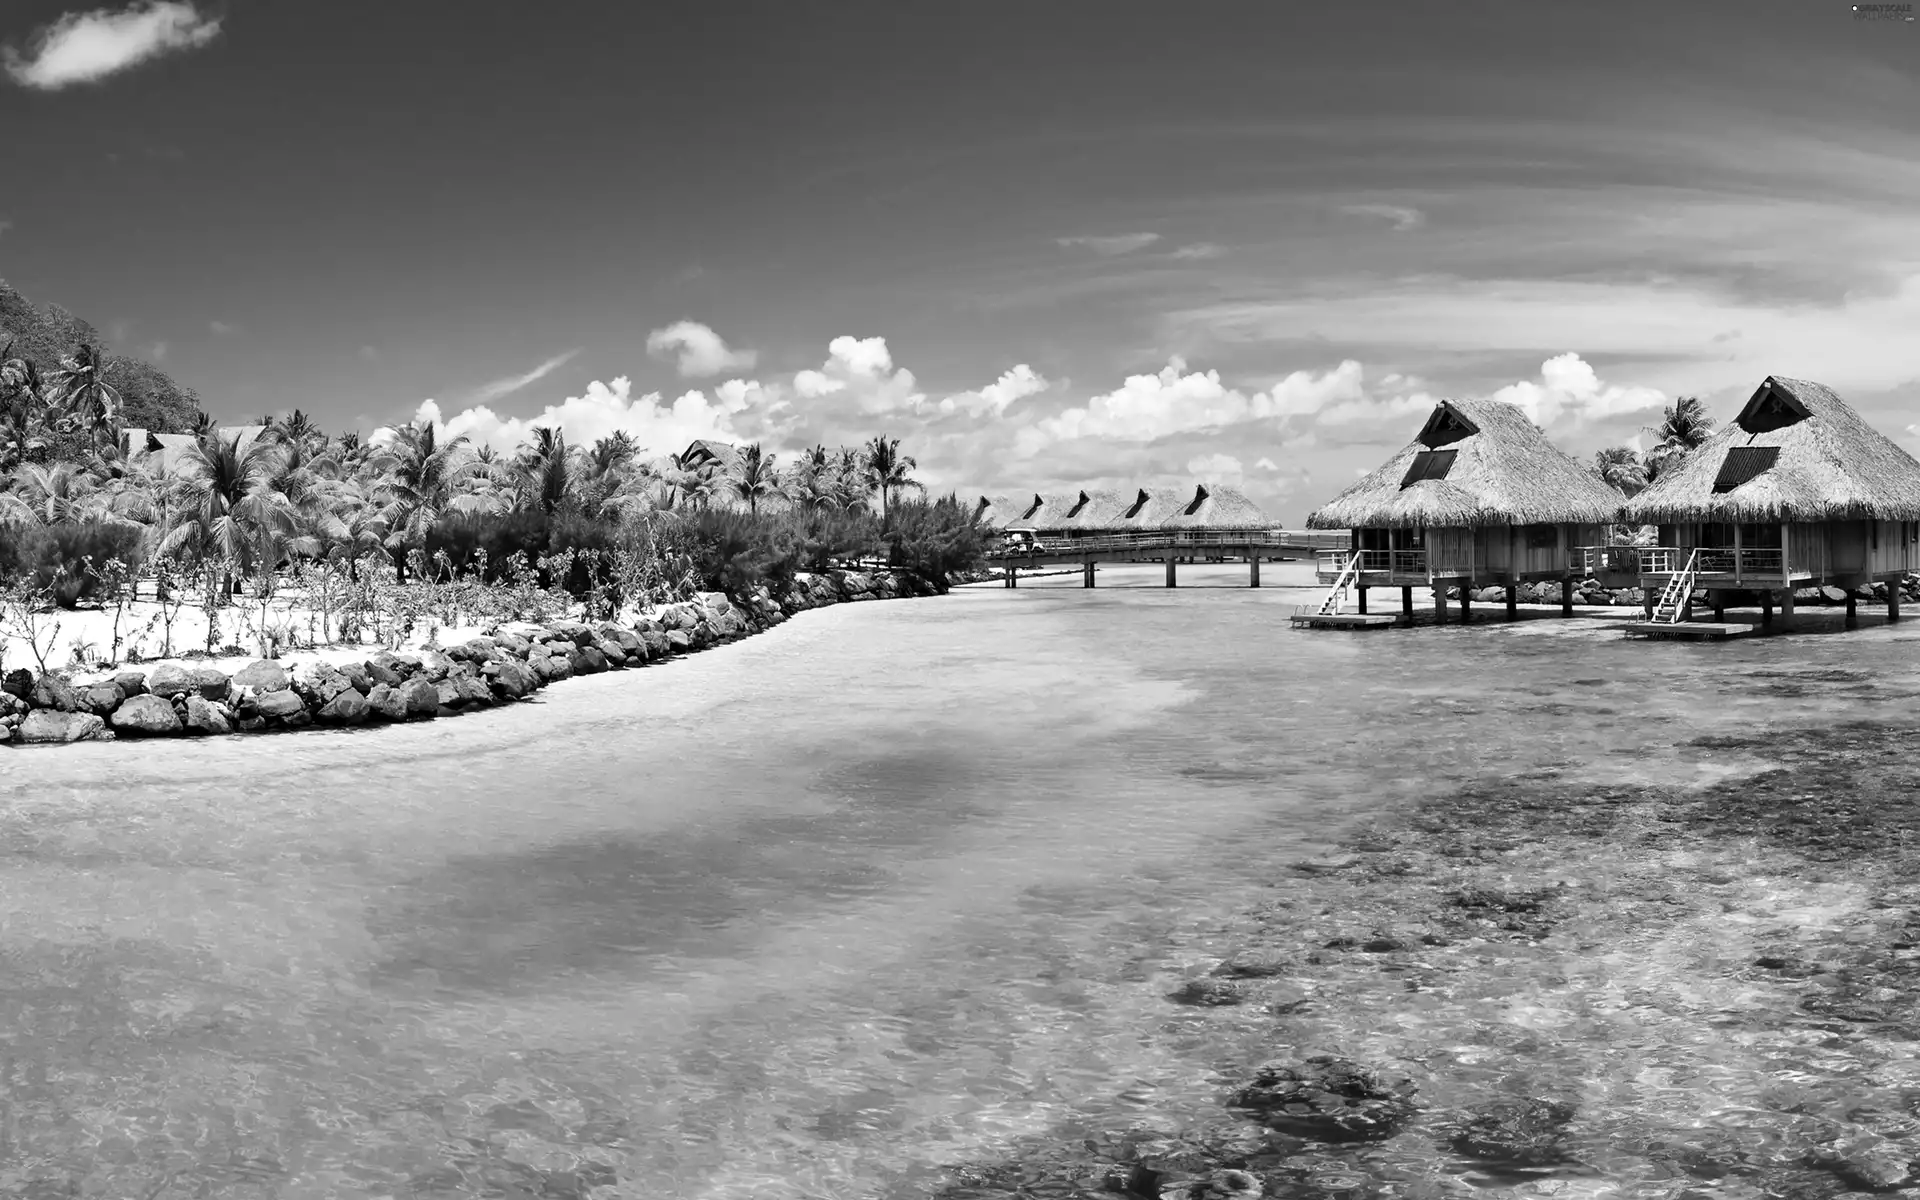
1692, 631
1312, 620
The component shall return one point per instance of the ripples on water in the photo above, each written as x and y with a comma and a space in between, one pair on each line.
812, 915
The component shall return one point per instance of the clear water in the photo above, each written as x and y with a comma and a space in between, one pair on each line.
890, 887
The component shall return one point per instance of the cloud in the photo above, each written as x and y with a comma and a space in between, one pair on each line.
1570, 393
699, 349
1403, 218
4, 226
508, 385
157, 352
222, 328
1219, 468
368, 353
991, 401
88, 47
1114, 244
1200, 250
1266, 464
604, 408
860, 376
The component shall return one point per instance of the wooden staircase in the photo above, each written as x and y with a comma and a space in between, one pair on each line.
1672, 605
1336, 597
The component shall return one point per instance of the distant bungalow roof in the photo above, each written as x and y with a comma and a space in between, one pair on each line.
1205, 506
143, 446
1796, 452
1475, 462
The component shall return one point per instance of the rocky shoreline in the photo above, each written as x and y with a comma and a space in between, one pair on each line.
1548, 986
176, 700
1589, 592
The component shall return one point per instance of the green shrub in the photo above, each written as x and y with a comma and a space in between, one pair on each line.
65, 559
935, 539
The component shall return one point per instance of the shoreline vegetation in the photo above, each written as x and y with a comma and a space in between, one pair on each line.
1706, 990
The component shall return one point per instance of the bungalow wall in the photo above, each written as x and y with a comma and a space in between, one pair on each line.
1496, 553
1817, 551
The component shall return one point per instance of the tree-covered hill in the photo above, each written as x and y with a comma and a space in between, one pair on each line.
149, 399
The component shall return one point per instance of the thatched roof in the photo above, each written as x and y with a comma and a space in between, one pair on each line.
162, 450
1476, 462
1796, 452
1214, 507
993, 512
721, 454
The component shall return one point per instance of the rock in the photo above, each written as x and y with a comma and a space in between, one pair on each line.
100, 699
1252, 966
853, 583
1868, 1162
678, 642
512, 680
448, 693
148, 716
206, 716
513, 644
401, 665
1210, 993
435, 666
611, 651
1526, 1132
318, 683
422, 698
387, 703
658, 644
51, 691
1327, 863
1833, 595
17, 682
212, 683
346, 708
46, 725
1328, 1099
358, 675
382, 673
131, 683
283, 706
473, 692
261, 676
626, 639
588, 661
170, 680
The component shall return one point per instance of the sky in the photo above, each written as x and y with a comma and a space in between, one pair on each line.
1081, 243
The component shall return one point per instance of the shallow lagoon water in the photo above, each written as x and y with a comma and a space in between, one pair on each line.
890, 887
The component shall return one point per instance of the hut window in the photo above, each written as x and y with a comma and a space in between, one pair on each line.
1770, 409
1542, 537
1743, 463
1429, 464
1446, 426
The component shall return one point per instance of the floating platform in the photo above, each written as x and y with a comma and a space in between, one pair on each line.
1345, 620
1693, 631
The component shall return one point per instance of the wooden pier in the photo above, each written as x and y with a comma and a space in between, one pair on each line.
1310, 619
1164, 546
1691, 631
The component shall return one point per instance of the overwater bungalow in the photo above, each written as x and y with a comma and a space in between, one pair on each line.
1480, 498
993, 512
162, 451
1796, 491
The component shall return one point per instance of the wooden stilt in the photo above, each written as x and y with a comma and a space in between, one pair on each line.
1786, 607
1513, 600
1253, 571
1086, 580
1440, 604
1466, 604
1170, 574
1362, 594
1719, 603
1766, 609
1566, 597
1406, 604
1893, 599
1852, 615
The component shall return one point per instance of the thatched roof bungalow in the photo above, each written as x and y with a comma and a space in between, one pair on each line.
161, 451
1479, 497
1218, 507
1797, 490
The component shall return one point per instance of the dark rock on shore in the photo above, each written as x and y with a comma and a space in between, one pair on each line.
1328, 1099
145, 716
1211, 993
48, 725
1528, 1133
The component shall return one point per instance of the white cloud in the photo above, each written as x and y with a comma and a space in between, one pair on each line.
86, 47
585, 419
860, 373
1113, 244
221, 328
699, 349
368, 353
1570, 393
1403, 218
1199, 250
1266, 464
1217, 468
157, 352
991, 401
510, 384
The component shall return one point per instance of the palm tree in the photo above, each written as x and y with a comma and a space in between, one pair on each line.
24, 433
612, 452
1621, 468
1684, 425
886, 470
754, 477
203, 424
415, 479
80, 390
547, 467
50, 495
299, 429
228, 510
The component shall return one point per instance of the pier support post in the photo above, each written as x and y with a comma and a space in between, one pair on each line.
1852, 616
1406, 603
1253, 570
1170, 575
1466, 604
1566, 597
1786, 608
1893, 599
1646, 602
1513, 599
1439, 604
1086, 576
1719, 602
1361, 592
1013, 577
1766, 609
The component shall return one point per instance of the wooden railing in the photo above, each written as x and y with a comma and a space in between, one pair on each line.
1145, 540
1722, 561
1592, 560
1406, 563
